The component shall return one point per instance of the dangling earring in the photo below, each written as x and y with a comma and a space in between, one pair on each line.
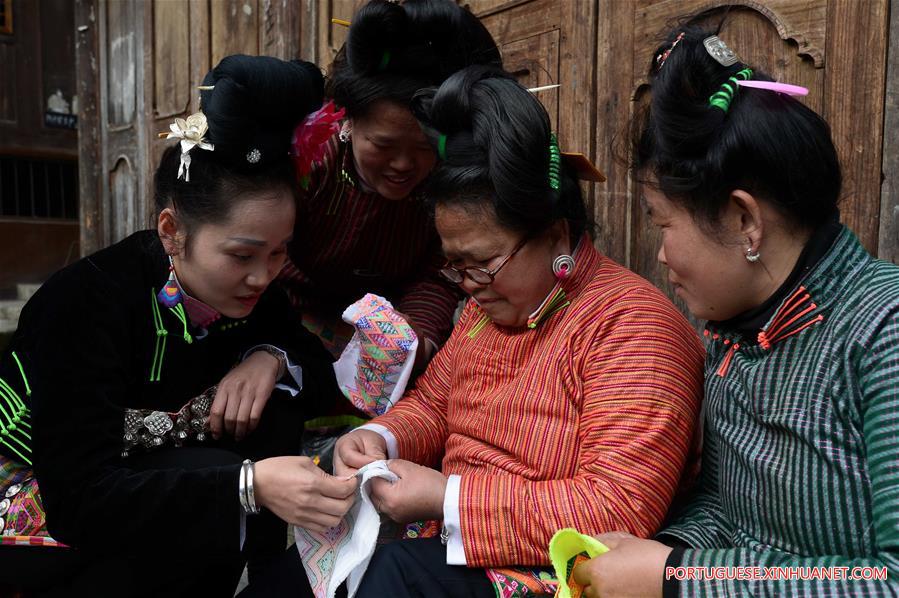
563, 266
170, 294
752, 256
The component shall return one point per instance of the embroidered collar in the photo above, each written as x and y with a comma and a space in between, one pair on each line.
200, 314
559, 297
748, 324
790, 310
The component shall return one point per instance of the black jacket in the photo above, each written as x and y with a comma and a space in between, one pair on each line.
86, 342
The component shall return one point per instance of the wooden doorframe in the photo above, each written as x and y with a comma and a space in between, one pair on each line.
888, 238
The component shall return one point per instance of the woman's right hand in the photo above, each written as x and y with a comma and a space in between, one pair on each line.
297, 491
356, 449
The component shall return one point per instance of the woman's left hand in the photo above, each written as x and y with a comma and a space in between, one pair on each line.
632, 567
416, 495
242, 395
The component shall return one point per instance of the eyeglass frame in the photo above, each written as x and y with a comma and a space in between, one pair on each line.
462, 273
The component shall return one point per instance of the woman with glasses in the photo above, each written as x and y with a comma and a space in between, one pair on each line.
569, 389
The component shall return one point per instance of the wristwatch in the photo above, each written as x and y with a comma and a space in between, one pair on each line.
277, 354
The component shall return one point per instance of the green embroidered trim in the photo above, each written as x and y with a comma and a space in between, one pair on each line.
558, 302
482, 323
14, 418
22, 372
161, 334
179, 312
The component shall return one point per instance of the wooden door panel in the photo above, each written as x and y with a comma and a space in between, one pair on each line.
171, 50
235, 28
535, 62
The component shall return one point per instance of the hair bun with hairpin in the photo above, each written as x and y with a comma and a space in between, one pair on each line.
252, 105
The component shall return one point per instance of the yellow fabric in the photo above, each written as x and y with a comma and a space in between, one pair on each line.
564, 546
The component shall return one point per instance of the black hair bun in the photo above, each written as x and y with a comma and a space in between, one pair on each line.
254, 105
429, 39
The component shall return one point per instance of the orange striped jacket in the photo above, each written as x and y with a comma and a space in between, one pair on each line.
584, 420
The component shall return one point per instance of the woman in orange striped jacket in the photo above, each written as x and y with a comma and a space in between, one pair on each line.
568, 392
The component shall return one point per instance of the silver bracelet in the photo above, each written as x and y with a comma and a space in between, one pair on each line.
251, 490
245, 488
242, 487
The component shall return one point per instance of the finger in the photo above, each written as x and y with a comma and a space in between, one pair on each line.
353, 457
332, 507
341, 470
217, 412
401, 467
380, 488
610, 539
242, 418
581, 573
262, 397
231, 408
335, 487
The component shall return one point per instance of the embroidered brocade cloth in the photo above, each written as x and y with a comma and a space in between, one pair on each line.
22, 518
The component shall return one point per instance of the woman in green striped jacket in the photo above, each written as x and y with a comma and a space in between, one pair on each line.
799, 491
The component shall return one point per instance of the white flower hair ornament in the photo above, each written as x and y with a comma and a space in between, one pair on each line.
191, 132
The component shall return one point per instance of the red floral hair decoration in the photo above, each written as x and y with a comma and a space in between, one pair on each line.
310, 137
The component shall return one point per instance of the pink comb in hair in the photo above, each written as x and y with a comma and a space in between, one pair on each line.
792, 90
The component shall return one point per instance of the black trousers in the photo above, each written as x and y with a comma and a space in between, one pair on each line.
136, 573
401, 569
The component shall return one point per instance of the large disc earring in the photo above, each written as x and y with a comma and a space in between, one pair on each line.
563, 266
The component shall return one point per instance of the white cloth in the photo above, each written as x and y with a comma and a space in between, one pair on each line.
342, 553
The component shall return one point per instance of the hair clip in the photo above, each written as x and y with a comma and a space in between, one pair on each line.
205, 87
543, 88
555, 158
441, 147
191, 132
661, 58
787, 88
718, 50
385, 60
725, 94
340, 22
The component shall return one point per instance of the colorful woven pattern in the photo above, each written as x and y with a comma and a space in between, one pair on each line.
22, 519
375, 366
522, 582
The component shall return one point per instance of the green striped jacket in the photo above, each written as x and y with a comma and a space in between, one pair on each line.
801, 441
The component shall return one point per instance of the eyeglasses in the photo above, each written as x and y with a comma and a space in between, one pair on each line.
475, 274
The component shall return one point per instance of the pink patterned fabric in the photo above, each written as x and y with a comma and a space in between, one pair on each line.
375, 366
23, 520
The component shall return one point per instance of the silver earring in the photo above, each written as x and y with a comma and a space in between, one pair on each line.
563, 266
344, 134
752, 256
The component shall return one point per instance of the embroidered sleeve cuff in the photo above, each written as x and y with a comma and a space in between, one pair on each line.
294, 370
455, 550
389, 438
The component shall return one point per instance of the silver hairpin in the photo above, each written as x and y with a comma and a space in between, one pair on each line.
718, 50
544, 88
253, 156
